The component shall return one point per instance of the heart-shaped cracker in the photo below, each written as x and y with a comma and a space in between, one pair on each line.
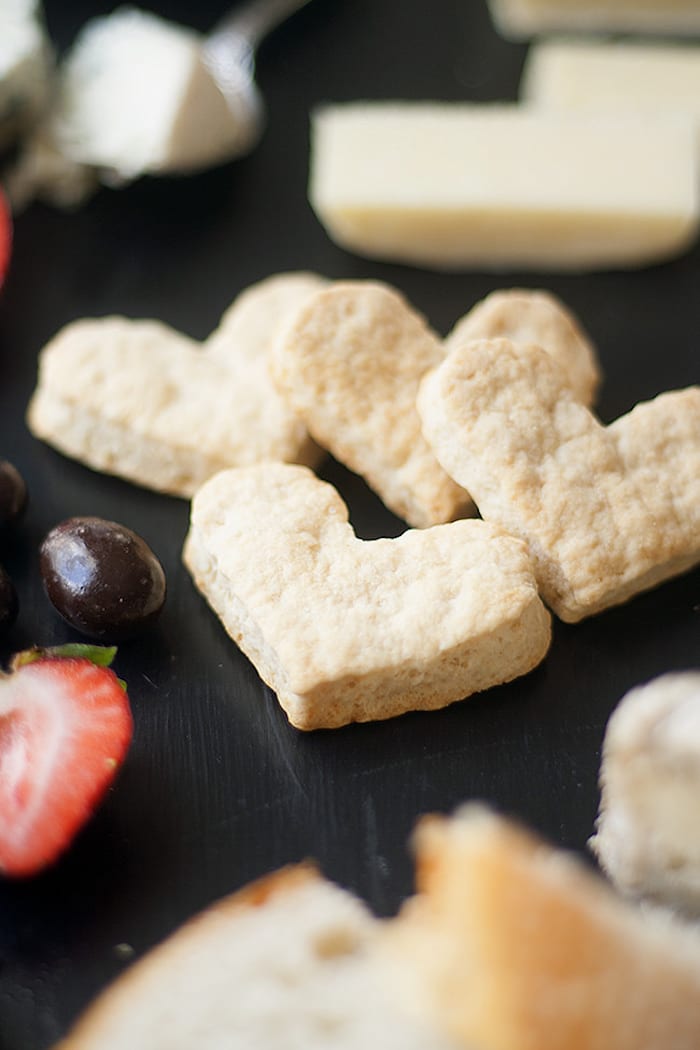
347, 630
537, 317
350, 363
140, 400
607, 511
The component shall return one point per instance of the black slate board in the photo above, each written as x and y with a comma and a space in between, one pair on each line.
218, 789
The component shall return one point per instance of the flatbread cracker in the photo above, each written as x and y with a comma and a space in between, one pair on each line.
538, 317
607, 512
351, 361
140, 400
346, 630
350, 364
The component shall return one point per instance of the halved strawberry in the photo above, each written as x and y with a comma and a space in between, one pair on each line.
65, 728
5, 236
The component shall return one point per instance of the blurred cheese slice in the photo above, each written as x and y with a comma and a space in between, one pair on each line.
138, 97
613, 77
25, 61
494, 187
525, 18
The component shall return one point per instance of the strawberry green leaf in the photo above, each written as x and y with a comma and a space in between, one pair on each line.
101, 655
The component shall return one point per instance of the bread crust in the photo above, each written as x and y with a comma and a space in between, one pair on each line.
513, 945
152, 969
289, 961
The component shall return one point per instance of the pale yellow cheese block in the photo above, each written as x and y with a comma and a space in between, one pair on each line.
590, 77
455, 186
525, 18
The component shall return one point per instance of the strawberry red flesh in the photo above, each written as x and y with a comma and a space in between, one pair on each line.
5, 237
65, 728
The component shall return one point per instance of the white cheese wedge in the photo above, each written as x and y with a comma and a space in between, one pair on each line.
25, 64
137, 98
647, 835
526, 18
498, 187
622, 77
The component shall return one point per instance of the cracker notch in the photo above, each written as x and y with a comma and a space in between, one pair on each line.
350, 363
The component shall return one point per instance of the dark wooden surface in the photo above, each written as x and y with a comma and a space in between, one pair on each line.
218, 789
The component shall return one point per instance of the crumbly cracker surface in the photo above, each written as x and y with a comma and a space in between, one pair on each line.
140, 400
349, 630
607, 512
350, 364
538, 317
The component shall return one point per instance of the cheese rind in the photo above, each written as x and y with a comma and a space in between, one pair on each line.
495, 187
592, 77
525, 18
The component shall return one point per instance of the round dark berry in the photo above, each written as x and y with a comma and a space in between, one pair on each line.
102, 578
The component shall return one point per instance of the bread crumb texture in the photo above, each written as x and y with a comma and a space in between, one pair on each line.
287, 963
513, 945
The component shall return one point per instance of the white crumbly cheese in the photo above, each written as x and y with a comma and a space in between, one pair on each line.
25, 61
137, 97
525, 18
613, 77
647, 831
499, 186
